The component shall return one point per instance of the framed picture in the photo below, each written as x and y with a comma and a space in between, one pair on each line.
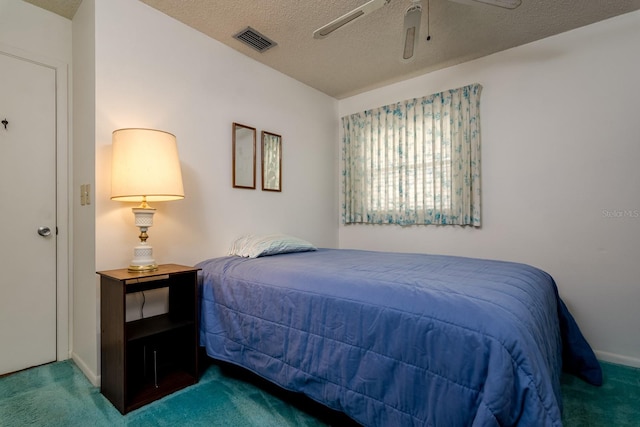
271, 161
244, 156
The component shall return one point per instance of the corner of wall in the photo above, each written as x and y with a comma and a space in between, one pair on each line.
91, 376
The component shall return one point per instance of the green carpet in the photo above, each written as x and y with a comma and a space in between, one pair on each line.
616, 403
58, 394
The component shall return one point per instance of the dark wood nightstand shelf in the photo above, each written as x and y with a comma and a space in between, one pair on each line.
146, 359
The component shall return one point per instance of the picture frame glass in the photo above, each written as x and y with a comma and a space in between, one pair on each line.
271, 161
244, 156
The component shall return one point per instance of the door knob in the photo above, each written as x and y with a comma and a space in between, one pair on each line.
44, 231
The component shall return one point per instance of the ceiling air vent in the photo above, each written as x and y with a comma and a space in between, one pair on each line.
254, 39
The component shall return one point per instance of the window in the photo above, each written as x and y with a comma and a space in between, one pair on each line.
414, 162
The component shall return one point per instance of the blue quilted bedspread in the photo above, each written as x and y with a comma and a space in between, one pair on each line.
398, 339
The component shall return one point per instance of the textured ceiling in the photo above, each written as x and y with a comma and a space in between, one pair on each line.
66, 8
366, 53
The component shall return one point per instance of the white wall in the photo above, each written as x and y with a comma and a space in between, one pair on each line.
85, 291
152, 71
560, 175
34, 30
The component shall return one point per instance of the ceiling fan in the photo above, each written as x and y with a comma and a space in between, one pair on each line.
412, 18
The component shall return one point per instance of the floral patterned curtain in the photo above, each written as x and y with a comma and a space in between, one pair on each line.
414, 162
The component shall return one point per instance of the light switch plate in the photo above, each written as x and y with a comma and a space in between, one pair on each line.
85, 192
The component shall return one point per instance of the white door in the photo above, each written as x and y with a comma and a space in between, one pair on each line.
27, 214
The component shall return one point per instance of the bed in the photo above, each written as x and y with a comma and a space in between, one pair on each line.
396, 339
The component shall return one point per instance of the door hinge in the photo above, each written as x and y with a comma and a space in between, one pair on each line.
56, 230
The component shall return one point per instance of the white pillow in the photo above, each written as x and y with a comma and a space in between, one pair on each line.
251, 246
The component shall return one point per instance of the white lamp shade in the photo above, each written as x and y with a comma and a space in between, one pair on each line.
145, 166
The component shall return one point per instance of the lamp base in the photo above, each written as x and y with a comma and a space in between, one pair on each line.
143, 253
142, 268
143, 258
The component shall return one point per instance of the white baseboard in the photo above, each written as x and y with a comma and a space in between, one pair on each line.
617, 359
91, 376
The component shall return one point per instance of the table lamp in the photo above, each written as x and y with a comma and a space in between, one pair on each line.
145, 168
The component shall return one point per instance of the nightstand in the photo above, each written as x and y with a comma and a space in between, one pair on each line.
146, 359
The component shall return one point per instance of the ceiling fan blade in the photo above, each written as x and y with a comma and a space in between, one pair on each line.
507, 4
412, 18
356, 13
